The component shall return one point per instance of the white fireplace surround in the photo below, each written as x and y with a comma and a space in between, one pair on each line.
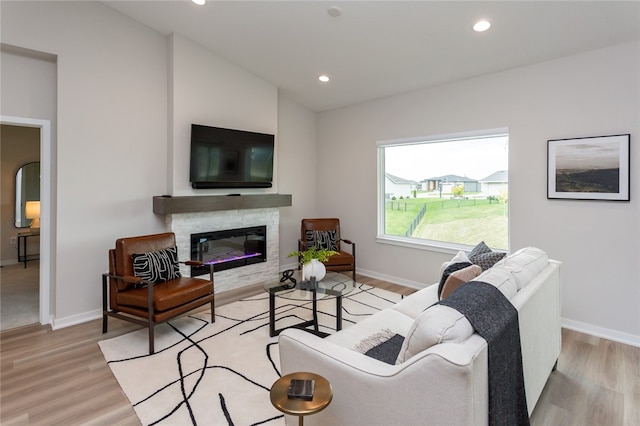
185, 224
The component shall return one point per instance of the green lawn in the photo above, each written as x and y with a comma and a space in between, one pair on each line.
462, 221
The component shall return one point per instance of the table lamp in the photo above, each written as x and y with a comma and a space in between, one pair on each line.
32, 211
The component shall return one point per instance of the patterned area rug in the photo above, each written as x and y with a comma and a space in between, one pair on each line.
221, 373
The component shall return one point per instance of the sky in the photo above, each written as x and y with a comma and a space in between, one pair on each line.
473, 158
586, 156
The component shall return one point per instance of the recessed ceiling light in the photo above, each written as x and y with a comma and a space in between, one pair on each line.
199, 2
481, 26
324, 78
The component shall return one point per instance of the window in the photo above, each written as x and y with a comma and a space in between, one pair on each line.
447, 191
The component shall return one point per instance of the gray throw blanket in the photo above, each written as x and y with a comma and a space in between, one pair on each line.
496, 320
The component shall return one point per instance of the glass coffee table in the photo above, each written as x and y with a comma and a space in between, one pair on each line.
333, 286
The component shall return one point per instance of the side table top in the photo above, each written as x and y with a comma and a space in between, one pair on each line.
298, 407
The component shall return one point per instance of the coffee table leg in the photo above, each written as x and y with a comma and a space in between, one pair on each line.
315, 318
272, 314
300, 422
339, 313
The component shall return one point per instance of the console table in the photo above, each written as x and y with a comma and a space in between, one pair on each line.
22, 246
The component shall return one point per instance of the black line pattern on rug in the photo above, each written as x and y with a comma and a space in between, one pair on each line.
270, 358
369, 292
268, 420
171, 383
204, 324
223, 405
261, 321
181, 373
183, 376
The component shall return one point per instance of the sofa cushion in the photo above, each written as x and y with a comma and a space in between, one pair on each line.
438, 324
501, 279
414, 304
484, 257
459, 277
157, 266
525, 264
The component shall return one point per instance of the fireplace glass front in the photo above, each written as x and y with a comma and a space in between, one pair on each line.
228, 249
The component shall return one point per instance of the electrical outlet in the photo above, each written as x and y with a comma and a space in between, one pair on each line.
12, 241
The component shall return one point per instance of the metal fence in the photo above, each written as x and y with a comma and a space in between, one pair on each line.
416, 221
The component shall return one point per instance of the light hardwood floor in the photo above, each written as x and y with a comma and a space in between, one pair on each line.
61, 378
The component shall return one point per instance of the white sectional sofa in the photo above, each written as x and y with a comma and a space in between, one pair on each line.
441, 375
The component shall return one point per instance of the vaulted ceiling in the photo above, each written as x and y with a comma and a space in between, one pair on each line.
375, 49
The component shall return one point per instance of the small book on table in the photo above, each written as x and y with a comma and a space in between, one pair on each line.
301, 389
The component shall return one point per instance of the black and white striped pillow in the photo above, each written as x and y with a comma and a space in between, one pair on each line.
157, 266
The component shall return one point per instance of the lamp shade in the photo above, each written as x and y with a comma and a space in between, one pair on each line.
32, 211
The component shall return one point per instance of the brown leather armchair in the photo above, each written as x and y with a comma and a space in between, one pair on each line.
325, 233
150, 299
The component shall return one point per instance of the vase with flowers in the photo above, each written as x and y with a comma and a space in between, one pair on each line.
311, 262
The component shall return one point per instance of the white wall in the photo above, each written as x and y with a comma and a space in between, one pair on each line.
28, 90
297, 173
112, 135
596, 93
205, 89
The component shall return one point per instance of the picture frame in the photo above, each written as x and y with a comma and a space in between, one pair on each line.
589, 168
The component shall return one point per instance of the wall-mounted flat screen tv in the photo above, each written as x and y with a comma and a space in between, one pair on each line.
228, 158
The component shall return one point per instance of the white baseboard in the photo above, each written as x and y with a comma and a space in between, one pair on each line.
9, 262
605, 333
395, 280
292, 265
57, 323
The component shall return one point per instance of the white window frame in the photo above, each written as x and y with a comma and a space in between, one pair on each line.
419, 243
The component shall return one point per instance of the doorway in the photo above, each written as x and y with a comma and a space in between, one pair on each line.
45, 272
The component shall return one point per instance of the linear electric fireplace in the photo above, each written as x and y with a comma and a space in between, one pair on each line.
228, 249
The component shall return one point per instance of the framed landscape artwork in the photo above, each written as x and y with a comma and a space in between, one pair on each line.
591, 168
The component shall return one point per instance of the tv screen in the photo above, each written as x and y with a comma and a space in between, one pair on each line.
228, 158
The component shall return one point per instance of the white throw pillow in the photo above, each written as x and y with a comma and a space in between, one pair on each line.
460, 257
437, 324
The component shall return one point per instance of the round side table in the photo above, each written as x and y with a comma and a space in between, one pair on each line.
298, 407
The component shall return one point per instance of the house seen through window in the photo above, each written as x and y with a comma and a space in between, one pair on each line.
448, 191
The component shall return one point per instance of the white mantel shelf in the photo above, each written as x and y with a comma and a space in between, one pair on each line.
164, 205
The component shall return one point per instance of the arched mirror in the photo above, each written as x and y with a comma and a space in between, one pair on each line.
27, 190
